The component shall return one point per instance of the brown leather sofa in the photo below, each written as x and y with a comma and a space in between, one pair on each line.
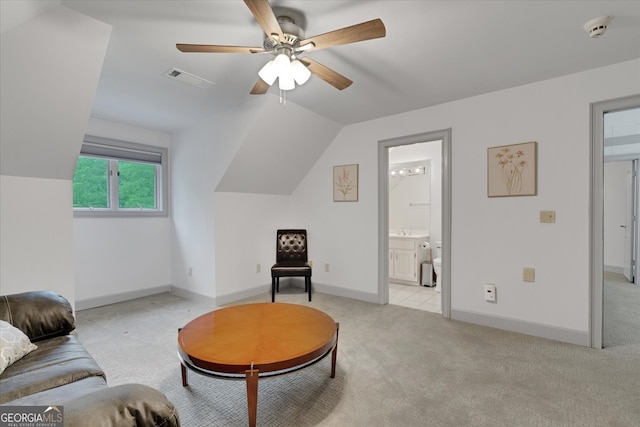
60, 372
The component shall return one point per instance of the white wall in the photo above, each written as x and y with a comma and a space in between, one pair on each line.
343, 234
120, 258
50, 66
245, 235
36, 229
199, 158
49, 70
492, 239
616, 175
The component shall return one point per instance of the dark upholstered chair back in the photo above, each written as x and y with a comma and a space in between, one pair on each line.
291, 245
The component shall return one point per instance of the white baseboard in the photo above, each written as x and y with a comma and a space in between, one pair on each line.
555, 333
245, 293
123, 296
194, 296
614, 269
346, 293
299, 283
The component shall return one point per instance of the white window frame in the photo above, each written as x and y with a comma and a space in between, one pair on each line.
115, 150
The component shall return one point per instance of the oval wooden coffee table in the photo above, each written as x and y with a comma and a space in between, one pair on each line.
252, 341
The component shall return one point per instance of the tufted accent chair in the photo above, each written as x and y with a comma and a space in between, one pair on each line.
291, 259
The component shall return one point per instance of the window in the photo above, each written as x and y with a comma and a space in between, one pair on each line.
118, 178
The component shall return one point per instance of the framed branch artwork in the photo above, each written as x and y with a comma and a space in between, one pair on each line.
512, 170
345, 183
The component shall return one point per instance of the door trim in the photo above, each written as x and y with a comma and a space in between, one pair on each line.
596, 240
383, 212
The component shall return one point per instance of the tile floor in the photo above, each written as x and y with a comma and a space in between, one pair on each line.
414, 296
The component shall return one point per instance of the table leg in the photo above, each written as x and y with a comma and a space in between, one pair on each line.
184, 375
252, 395
334, 353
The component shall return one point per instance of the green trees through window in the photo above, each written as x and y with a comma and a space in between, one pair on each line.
136, 184
91, 183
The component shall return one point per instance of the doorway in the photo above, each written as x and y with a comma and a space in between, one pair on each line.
384, 148
415, 212
608, 143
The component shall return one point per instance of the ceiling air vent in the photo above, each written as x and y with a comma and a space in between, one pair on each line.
188, 78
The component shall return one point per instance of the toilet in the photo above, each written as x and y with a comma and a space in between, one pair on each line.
437, 266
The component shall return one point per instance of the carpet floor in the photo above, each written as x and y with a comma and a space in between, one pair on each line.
396, 366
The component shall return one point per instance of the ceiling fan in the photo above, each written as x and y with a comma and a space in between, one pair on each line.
284, 38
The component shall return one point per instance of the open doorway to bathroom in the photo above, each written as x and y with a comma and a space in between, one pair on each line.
414, 192
415, 222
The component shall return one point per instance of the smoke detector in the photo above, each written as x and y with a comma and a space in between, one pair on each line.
597, 26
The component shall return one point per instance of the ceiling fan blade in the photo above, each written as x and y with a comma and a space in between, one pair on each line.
211, 48
356, 33
261, 9
335, 79
260, 88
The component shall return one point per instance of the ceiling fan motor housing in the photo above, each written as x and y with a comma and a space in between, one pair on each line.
293, 33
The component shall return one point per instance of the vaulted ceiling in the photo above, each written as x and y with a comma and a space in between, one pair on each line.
433, 52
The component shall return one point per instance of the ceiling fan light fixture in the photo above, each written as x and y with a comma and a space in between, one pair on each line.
269, 73
300, 73
286, 80
281, 63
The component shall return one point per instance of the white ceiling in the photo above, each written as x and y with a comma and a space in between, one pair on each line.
434, 52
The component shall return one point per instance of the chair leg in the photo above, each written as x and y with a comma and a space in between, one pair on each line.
277, 284
305, 280
273, 289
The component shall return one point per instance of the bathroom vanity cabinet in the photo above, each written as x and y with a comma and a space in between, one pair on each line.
406, 257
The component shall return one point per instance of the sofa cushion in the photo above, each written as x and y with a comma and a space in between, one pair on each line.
55, 396
14, 345
56, 362
122, 405
39, 314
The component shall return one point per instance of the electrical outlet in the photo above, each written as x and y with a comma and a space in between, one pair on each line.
490, 292
529, 274
547, 217
190, 271
326, 268
258, 268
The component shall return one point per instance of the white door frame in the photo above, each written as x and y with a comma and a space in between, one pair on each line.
596, 241
383, 212
630, 224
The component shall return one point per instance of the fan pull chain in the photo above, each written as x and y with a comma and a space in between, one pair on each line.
283, 98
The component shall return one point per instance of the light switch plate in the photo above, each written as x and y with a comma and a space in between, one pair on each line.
547, 217
529, 274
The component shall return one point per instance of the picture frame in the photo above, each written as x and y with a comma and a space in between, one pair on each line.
512, 170
345, 183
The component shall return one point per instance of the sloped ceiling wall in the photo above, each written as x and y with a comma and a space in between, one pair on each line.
281, 147
49, 71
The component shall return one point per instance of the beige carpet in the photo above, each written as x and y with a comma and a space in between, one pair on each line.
621, 320
396, 367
